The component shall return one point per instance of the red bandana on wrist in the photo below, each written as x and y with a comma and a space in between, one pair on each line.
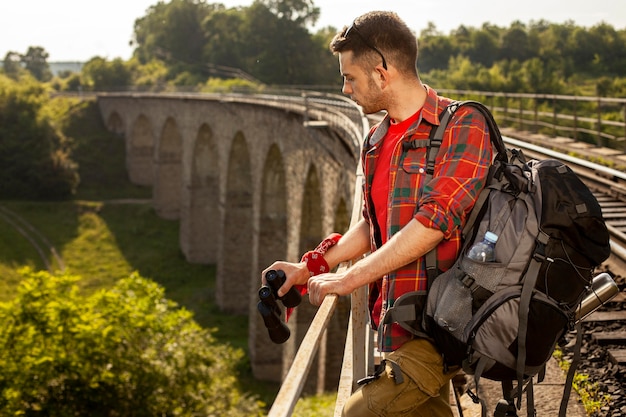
315, 263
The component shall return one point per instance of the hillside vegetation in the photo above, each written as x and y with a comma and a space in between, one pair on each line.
103, 244
113, 249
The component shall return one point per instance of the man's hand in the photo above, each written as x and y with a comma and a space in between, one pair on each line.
295, 274
321, 285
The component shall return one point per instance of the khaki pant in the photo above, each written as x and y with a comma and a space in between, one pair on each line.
423, 392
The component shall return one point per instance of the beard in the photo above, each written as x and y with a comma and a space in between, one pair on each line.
373, 100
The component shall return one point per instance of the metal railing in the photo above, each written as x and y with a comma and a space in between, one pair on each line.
599, 120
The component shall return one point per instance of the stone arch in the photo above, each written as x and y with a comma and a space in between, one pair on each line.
140, 152
168, 172
266, 357
234, 270
341, 223
311, 224
115, 124
328, 361
200, 220
311, 233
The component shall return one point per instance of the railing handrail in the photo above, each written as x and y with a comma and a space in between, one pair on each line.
355, 364
544, 96
575, 115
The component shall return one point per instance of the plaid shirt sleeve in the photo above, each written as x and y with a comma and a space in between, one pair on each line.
462, 165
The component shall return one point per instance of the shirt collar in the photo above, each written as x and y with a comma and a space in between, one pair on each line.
430, 113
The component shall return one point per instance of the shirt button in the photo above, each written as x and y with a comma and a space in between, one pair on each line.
421, 170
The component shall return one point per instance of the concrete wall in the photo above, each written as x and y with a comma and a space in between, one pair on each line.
249, 185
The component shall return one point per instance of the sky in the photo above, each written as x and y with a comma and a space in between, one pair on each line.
77, 30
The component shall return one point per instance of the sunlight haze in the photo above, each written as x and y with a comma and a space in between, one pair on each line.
77, 30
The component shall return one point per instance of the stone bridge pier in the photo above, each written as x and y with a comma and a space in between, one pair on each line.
250, 183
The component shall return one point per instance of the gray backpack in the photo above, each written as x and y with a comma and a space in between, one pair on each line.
502, 320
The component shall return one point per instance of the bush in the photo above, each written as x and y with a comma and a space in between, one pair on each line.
127, 351
35, 160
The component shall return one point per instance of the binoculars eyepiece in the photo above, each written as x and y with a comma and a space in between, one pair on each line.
275, 280
269, 308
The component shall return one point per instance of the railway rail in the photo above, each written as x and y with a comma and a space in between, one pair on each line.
35, 238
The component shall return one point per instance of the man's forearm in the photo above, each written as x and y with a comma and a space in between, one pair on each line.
409, 244
355, 243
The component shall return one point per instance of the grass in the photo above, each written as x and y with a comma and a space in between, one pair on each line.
104, 242
590, 397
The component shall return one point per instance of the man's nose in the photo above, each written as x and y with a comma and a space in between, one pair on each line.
346, 88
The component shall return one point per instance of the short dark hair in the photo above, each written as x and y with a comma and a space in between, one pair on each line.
379, 32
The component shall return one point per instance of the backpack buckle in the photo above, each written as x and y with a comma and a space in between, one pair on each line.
468, 280
473, 396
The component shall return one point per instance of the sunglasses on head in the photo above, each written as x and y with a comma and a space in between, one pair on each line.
355, 29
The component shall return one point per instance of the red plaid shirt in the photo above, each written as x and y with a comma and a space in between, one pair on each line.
443, 203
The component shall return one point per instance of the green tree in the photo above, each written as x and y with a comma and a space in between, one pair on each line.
554, 46
36, 61
173, 33
584, 51
285, 52
609, 50
484, 45
224, 31
127, 351
539, 77
435, 49
35, 157
101, 75
301, 12
326, 70
12, 64
152, 75
515, 43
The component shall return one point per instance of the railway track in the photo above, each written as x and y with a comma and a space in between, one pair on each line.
35, 238
608, 186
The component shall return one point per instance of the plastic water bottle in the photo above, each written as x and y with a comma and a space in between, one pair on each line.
484, 251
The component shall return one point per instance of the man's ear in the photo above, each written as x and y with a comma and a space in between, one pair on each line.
382, 75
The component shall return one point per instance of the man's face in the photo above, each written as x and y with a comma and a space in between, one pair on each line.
360, 84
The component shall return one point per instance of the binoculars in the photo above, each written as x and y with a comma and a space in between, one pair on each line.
269, 308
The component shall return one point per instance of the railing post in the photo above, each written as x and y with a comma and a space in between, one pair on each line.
506, 109
600, 122
624, 122
575, 119
554, 125
536, 116
521, 114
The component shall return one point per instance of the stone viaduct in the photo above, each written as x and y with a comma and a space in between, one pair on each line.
251, 179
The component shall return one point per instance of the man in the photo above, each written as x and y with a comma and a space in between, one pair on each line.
403, 217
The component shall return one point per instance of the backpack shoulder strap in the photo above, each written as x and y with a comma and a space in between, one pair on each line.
435, 140
494, 132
